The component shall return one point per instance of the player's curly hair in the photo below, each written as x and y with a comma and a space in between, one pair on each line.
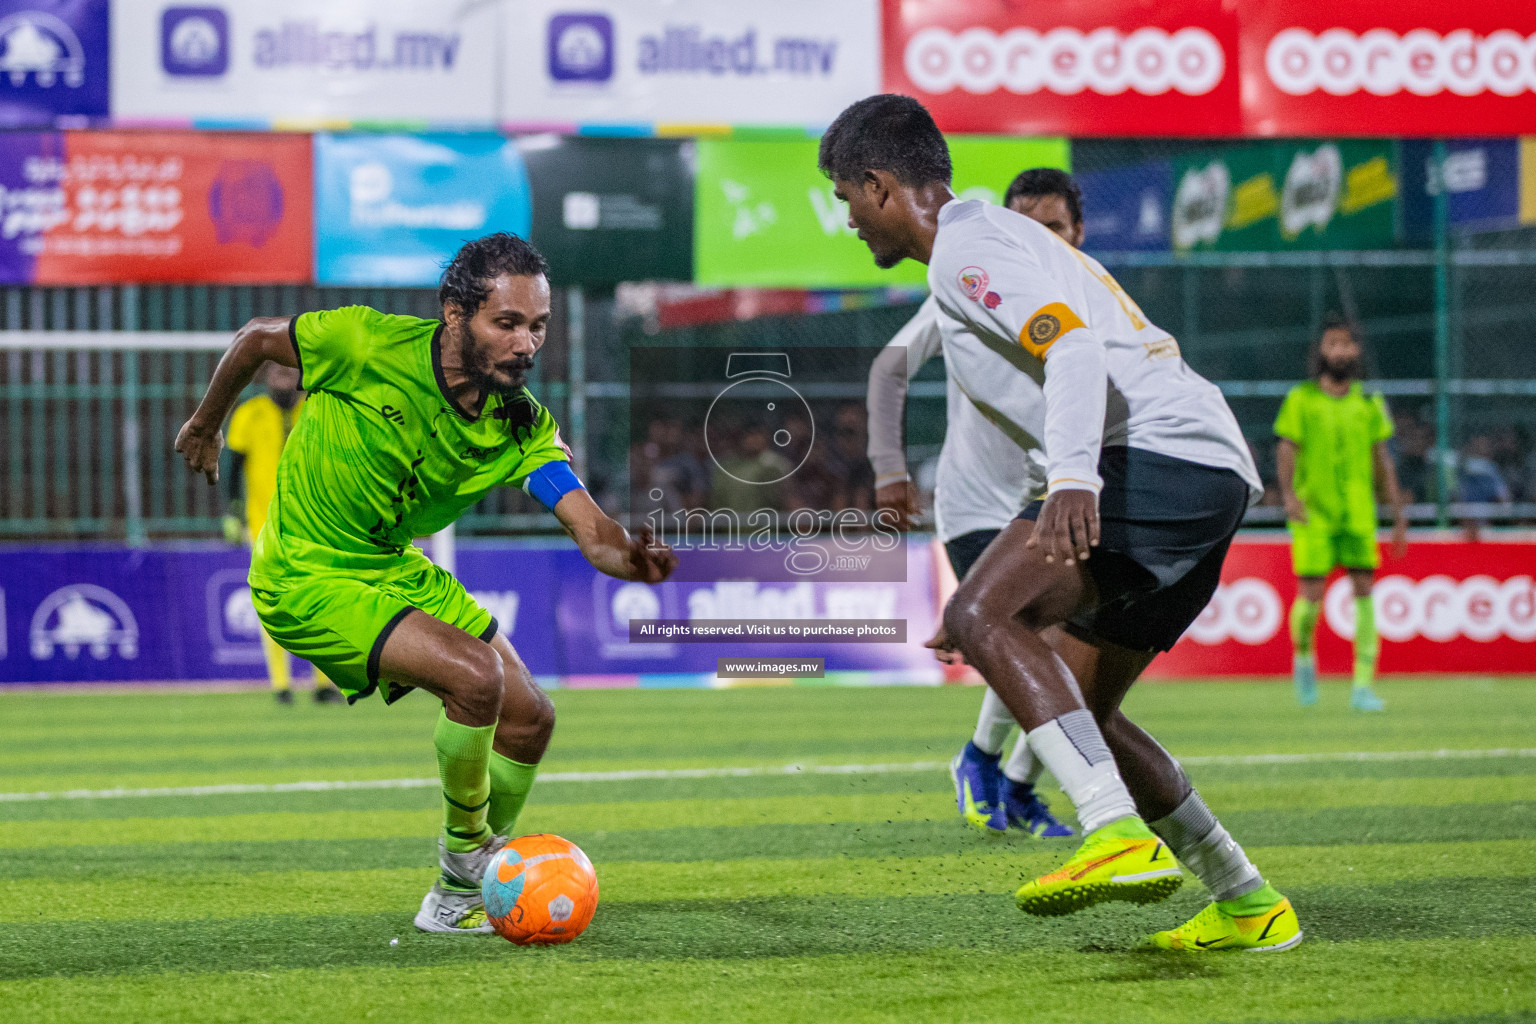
466, 279
1047, 181
885, 133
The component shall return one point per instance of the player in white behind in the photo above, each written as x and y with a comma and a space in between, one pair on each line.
988, 470
1148, 477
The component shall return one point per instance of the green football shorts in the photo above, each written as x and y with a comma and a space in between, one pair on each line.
1317, 547
339, 625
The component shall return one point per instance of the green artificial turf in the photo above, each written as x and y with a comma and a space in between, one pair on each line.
783, 894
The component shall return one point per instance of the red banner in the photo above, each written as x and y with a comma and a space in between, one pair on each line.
1135, 67
1111, 67
1446, 606
1412, 67
177, 207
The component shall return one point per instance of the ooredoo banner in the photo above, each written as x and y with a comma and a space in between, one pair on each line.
304, 62
393, 209
1446, 606
646, 62
104, 207
1420, 67
1110, 67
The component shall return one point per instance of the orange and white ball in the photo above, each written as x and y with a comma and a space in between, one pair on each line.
540, 890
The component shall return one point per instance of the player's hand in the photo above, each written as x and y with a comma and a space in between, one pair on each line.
939, 644
1399, 536
201, 449
650, 560
1295, 511
1068, 526
902, 498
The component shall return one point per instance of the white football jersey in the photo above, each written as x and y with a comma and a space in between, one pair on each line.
984, 477
1042, 335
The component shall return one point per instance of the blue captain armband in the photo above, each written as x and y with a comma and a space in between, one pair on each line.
551, 482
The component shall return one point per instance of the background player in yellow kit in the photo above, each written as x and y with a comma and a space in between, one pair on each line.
258, 429
1333, 461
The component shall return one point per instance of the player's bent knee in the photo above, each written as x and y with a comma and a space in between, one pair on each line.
479, 682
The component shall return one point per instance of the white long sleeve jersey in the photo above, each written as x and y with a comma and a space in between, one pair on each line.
1028, 322
985, 477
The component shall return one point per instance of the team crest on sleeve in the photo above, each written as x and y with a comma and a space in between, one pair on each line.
1049, 323
1043, 328
974, 281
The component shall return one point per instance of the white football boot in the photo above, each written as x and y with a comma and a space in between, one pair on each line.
458, 913
465, 870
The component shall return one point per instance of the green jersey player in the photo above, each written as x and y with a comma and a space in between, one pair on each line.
410, 422
1333, 460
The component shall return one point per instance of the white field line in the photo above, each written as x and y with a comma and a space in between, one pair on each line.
721, 773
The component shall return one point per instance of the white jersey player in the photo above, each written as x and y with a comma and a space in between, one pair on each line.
1148, 479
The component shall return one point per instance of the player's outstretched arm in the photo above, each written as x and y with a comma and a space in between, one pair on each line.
608, 546
200, 438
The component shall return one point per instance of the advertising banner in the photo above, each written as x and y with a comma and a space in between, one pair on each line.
53, 62
393, 209
610, 210
645, 62
1292, 195
766, 217
1481, 178
304, 62
1446, 606
1419, 67
103, 207
1111, 67
1126, 209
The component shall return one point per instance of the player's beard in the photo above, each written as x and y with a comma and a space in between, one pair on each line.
1342, 369
505, 379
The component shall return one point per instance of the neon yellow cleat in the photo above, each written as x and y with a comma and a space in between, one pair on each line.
1216, 928
1121, 861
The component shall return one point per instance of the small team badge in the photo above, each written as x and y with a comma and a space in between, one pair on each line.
1043, 328
974, 281
992, 300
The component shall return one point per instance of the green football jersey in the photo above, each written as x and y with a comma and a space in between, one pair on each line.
1335, 471
382, 455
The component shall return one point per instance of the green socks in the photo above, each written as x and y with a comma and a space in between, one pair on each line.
463, 755
1304, 626
1367, 643
510, 782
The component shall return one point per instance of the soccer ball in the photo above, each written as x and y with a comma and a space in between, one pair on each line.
539, 890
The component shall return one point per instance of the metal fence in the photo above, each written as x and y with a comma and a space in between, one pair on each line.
95, 382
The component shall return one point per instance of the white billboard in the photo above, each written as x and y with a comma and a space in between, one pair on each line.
304, 62
644, 62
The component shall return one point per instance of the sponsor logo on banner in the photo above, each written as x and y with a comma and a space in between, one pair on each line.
194, 41
53, 61
1440, 609
305, 61
84, 617
793, 62
1382, 62
1200, 205
234, 631
1247, 610
1107, 61
503, 605
4, 632
1311, 192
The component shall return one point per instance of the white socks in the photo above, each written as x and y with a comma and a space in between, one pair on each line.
992, 724
1022, 765
1197, 838
1072, 747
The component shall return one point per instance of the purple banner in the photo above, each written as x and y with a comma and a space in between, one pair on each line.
116, 614
53, 55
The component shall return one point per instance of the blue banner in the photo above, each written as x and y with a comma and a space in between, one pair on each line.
1482, 178
171, 614
393, 209
53, 61
1125, 209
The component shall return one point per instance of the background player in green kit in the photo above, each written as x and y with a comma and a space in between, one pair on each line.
1333, 461
410, 422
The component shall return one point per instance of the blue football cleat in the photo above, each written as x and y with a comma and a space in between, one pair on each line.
1363, 698
1306, 682
978, 788
1027, 811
